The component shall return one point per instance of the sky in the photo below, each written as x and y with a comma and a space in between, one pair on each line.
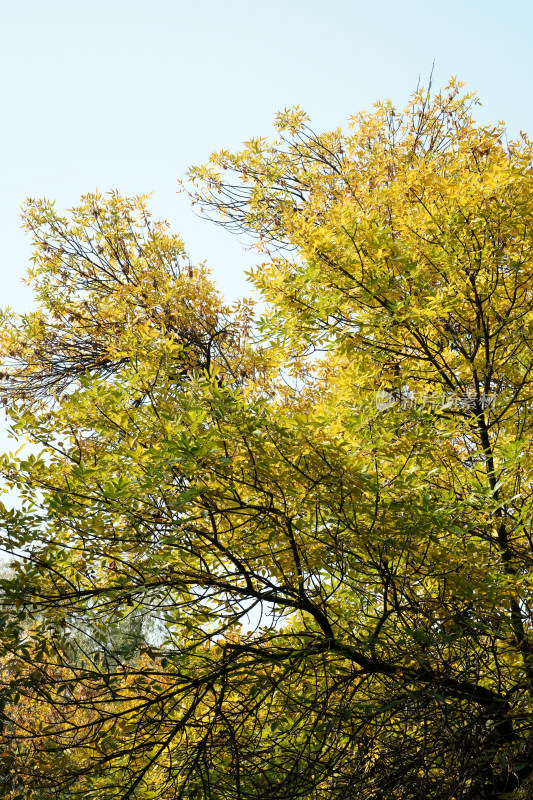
127, 95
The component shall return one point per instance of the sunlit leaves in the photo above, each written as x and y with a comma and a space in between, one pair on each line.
338, 591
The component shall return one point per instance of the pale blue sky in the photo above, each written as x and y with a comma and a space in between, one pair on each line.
127, 94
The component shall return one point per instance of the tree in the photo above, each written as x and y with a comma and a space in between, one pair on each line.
343, 585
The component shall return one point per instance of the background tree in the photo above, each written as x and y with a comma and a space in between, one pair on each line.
345, 589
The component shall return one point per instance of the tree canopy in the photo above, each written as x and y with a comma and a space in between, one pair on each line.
324, 509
